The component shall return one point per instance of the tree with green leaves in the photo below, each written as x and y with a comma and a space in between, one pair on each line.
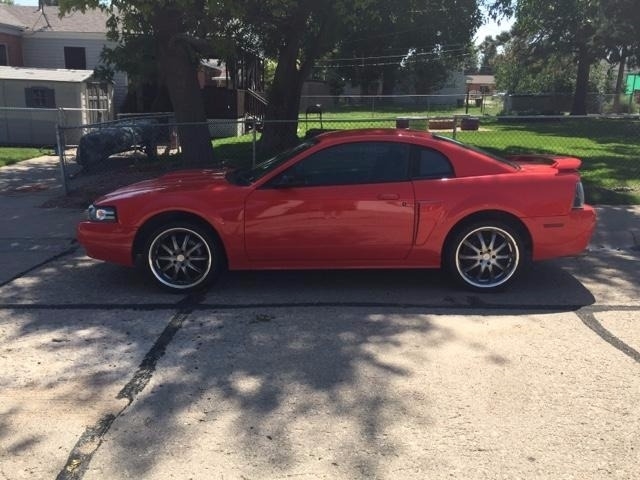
299, 32
489, 51
620, 34
567, 26
420, 40
586, 30
177, 33
294, 33
519, 68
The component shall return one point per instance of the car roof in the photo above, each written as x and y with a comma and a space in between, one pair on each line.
372, 133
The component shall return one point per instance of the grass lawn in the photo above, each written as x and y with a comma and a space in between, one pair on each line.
609, 148
373, 108
10, 155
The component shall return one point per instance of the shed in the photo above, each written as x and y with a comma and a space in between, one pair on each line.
34, 100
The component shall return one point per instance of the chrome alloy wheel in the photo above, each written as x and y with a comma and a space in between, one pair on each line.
180, 258
487, 257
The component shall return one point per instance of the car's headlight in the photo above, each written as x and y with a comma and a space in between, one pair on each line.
101, 214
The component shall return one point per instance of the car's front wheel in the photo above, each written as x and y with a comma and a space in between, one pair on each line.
183, 257
485, 255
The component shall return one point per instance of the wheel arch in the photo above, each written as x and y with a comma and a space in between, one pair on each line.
154, 222
490, 215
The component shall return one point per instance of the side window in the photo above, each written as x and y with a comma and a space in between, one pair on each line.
40, 97
431, 164
352, 163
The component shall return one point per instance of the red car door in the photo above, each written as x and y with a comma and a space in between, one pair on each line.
349, 202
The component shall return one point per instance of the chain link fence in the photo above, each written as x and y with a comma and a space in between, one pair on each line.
132, 148
473, 103
36, 127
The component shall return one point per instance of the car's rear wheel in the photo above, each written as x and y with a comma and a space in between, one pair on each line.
485, 255
183, 257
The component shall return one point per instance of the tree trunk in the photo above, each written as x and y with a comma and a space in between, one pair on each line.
286, 90
181, 77
284, 101
582, 82
619, 80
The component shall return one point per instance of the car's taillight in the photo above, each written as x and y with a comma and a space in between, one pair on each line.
578, 199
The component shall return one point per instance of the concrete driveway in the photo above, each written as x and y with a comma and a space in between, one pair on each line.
384, 374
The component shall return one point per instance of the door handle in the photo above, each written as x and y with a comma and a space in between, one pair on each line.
388, 196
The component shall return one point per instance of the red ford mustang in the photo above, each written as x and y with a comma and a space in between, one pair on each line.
349, 199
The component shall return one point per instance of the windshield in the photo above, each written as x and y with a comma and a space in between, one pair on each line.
248, 175
478, 150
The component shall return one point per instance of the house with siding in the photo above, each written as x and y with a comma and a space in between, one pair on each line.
37, 37
31, 99
481, 84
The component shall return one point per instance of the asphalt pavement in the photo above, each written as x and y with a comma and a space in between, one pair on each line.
30, 234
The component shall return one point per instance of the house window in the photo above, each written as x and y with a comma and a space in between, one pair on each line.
40, 97
75, 58
4, 54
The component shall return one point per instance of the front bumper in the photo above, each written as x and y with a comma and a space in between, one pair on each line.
110, 242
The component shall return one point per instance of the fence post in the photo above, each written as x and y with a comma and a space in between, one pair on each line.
253, 153
455, 125
63, 171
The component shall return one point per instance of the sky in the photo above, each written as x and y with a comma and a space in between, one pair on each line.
490, 28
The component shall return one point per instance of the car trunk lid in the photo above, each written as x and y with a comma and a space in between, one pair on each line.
536, 162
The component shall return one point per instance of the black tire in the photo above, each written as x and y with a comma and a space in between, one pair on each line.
485, 255
183, 257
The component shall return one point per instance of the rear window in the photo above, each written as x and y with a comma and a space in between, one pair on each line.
431, 164
495, 157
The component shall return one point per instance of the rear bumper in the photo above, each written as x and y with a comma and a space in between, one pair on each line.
562, 236
107, 241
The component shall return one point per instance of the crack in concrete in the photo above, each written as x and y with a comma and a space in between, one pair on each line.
72, 249
587, 316
93, 436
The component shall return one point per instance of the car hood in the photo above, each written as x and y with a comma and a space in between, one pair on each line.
184, 180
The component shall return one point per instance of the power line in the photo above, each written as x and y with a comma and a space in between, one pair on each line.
399, 59
407, 54
381, 64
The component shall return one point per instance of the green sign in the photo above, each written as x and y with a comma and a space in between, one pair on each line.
633, 83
